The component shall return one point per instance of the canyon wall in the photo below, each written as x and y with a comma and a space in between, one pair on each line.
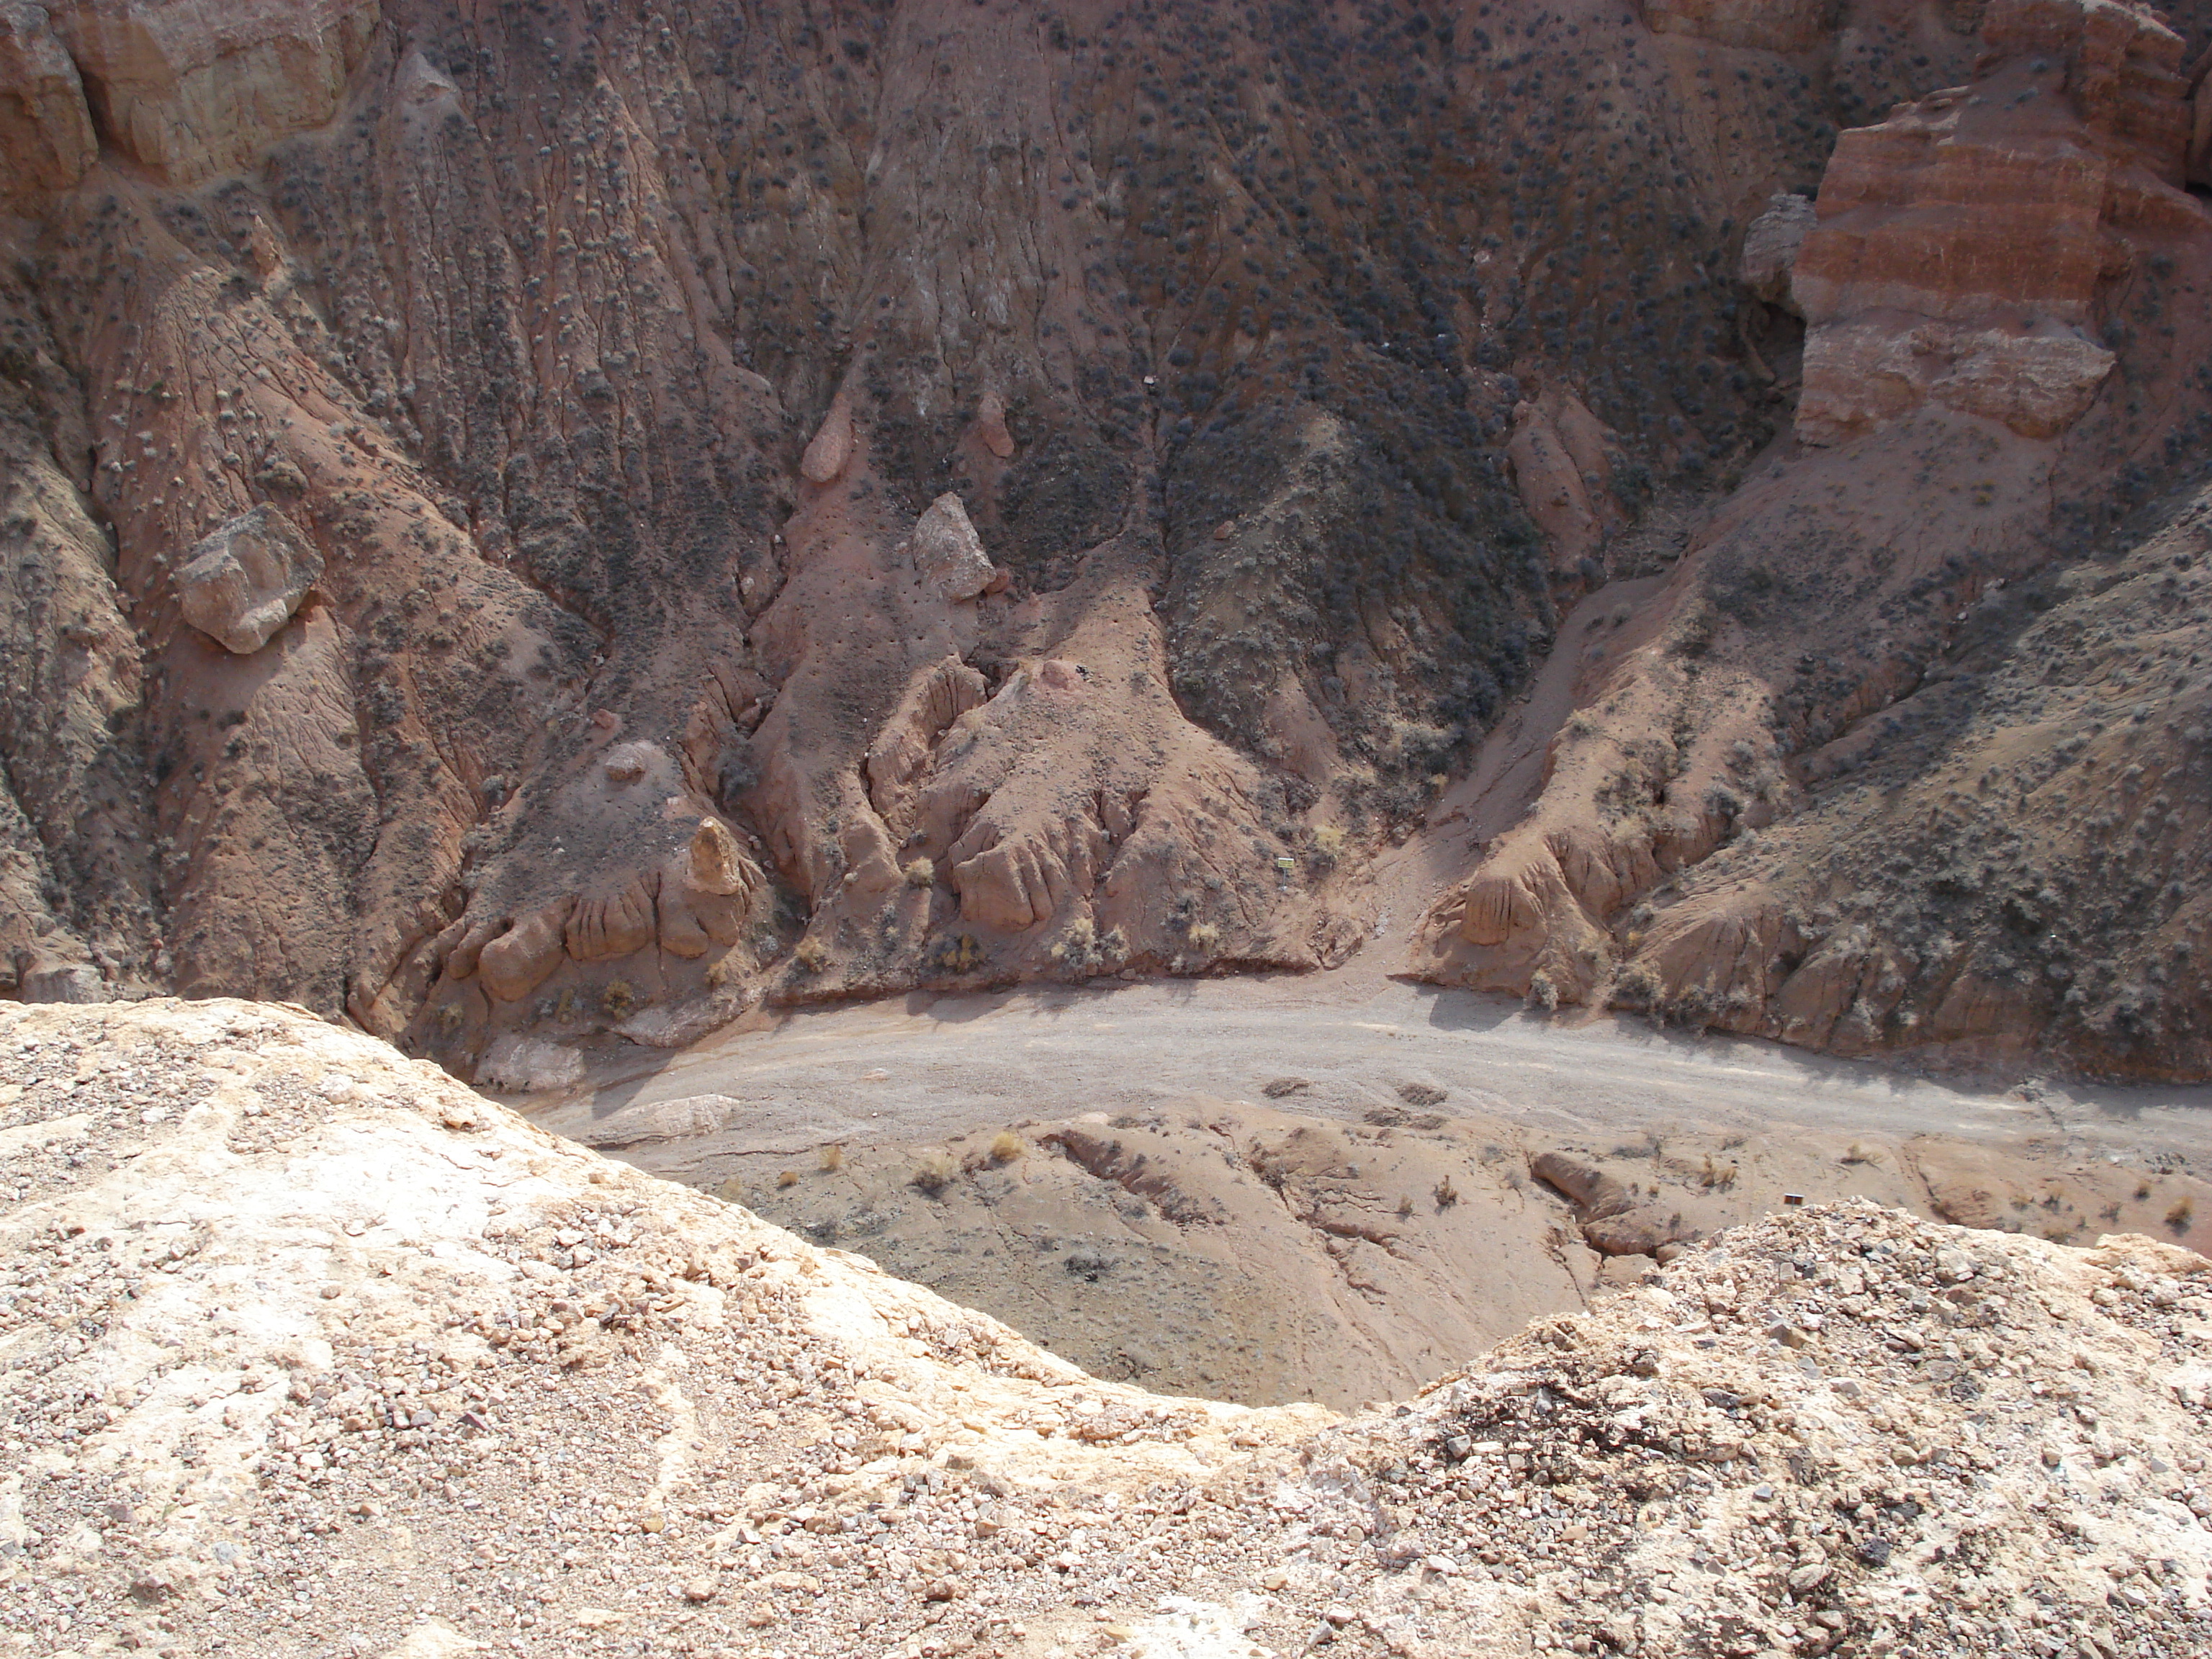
1908, 754
525, 524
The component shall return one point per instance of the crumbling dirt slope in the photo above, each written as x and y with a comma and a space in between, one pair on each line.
309, 1348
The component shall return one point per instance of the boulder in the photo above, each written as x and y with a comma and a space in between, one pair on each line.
1615, 1219
991, 425
1770, 246
242, 583
523, 1064
520, 960
1552, 486
947, 553
831, 447
1588, 1186
936, 698
616, 923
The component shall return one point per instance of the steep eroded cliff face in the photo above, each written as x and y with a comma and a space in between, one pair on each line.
1910, 750
581, 518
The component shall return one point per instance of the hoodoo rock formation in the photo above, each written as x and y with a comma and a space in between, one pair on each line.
1055, 493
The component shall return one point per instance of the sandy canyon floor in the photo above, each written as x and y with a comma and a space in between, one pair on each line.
1321, 1187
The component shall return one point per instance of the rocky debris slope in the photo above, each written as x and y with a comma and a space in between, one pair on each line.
1883, 748
308, 1349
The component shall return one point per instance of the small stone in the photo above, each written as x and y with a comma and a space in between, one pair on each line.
701, 1588
1953, 1267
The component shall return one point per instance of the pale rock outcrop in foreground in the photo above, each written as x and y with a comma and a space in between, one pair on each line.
310, 1349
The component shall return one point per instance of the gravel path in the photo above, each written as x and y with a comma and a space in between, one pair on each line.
924, 1065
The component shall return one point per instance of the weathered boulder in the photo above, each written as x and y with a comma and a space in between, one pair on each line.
609, 924
1552, 485
1594, 1192
1616, 1219
1014, 869
938, 696
947, 553
708, 896
991, 425
1771, 245
526, 1064
242, 583
831, 447
522, 958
